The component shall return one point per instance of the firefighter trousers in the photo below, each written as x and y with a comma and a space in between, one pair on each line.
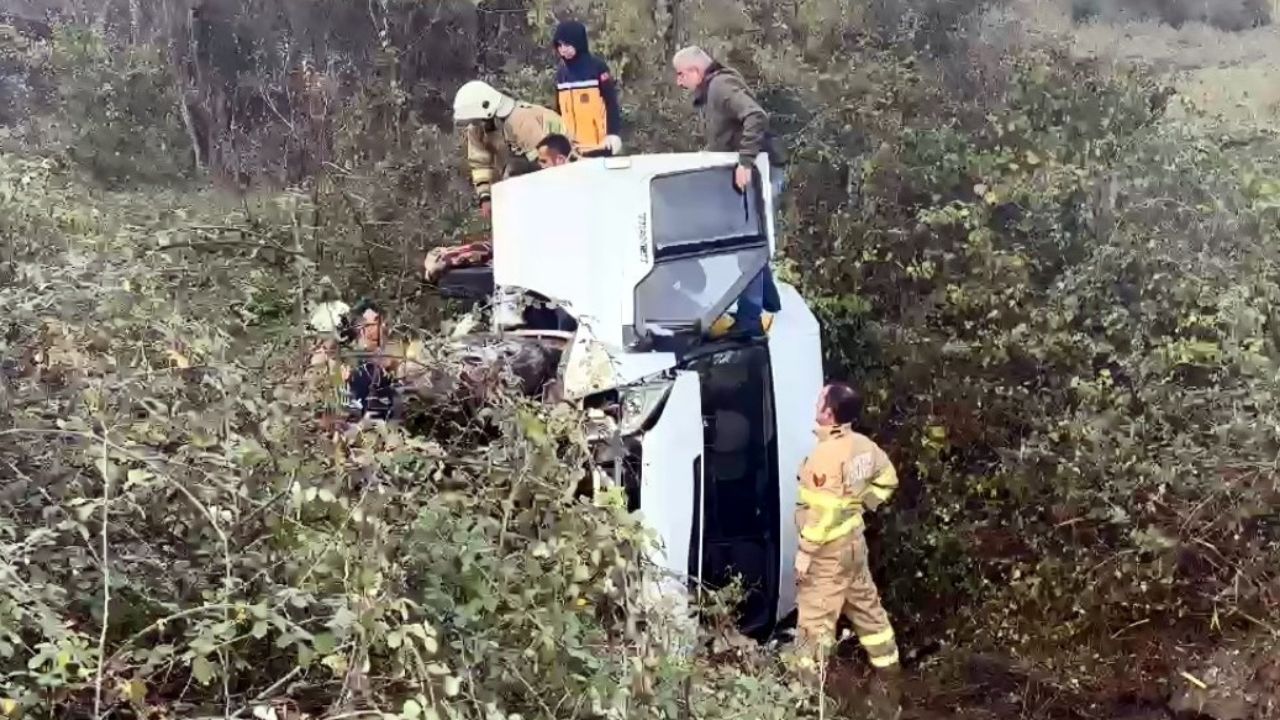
837, 583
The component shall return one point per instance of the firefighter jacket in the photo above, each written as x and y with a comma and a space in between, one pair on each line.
846, 473
586, 93
494, 148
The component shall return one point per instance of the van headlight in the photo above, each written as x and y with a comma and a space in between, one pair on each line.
638, 404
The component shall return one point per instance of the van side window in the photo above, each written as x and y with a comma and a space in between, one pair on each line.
682, 289
702, 207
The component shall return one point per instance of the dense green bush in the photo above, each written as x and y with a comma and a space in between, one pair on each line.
1057, 299
119, 108
178, 533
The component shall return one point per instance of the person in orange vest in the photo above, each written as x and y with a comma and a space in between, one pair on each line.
586, 92
845, 475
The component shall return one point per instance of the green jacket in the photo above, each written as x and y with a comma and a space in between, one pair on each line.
732, 119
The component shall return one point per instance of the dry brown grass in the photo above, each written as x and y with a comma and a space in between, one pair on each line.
1226, 74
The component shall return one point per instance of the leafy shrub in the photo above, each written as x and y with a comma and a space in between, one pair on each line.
121, 109
176, 533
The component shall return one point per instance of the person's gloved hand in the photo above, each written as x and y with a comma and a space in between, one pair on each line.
614, 143
803, 561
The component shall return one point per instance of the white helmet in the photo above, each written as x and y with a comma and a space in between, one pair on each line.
326, 317
478, 100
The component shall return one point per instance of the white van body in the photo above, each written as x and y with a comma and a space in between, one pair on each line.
644, 253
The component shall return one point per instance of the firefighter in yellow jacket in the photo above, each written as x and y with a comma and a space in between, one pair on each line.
502, 135
846, 474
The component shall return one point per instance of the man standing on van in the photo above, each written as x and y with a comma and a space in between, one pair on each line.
846, 474
586, 92
734, 122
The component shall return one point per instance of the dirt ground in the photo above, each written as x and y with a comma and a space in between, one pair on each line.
1239, 685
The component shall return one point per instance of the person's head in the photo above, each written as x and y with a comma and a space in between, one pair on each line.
554, 150
691, 65
364, 326
838, 404
570, 40
478, 102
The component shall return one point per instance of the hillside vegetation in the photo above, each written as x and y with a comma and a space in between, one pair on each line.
1054, 279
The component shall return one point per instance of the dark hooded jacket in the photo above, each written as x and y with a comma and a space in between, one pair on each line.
732, 119
586, 92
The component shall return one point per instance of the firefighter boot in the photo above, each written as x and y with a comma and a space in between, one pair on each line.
885, 696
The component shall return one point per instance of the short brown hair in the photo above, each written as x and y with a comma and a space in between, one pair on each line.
844, 402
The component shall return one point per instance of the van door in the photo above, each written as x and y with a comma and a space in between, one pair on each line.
709, 241
671, 471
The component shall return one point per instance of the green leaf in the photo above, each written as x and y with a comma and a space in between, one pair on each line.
260, 629
39, 659
107, 469
533, 426
324, 643
411, 710
202, 670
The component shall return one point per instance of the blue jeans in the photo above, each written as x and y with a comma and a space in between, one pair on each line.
761, 293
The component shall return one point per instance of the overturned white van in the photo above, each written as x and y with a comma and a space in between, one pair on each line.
636, 258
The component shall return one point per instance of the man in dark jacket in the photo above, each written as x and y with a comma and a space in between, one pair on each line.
586, 92
735, 122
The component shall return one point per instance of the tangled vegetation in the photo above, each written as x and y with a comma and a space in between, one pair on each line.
1058, 298
180, 531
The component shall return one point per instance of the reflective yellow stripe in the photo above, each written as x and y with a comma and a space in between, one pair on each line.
818, 534
886, 478
824, 501
885, 661
879, 638
883, 493
831, 506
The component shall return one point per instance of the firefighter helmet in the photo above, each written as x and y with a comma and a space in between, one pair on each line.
478, 100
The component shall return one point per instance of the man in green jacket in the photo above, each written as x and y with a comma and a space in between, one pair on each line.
735, 122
